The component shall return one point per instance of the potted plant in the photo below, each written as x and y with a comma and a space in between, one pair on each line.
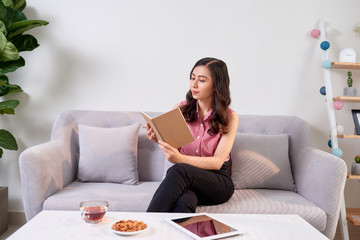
349, 90
355, 167
13, 24
356, 29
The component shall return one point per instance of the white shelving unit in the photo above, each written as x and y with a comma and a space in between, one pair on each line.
353, 214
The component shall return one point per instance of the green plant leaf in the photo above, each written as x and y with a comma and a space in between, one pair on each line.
6, 88
7, 140
8, 51
14, 88
7, 107
17, 16
3, 28
11, 66
3, 42
8, 3
18, 28
25, 42
9, 104
9, 111
4, 80
9, 15
19, 4
5, 14
1, 152
4, 91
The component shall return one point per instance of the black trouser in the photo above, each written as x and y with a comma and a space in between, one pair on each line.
186, 186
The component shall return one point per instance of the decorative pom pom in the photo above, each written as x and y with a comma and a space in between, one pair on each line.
325, 45
323, 90
326, 64
329, 144
340, 129
315, 33
337, 152
338, 105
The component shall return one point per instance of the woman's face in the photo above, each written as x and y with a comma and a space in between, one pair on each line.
201, 83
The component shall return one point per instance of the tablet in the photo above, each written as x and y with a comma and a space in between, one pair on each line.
203, 227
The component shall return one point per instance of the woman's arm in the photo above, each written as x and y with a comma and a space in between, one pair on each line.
210, 163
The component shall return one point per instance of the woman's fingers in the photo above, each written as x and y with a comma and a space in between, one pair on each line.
151, 134
163, 145
170, 153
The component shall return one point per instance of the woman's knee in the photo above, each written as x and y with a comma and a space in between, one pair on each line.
186, 202
177, 168
181, 172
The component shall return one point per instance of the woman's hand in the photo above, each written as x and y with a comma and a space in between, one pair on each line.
171, 154
150, 133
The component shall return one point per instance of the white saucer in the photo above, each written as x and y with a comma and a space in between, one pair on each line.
128, 233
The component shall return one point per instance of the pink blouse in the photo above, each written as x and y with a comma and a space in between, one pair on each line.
204, 144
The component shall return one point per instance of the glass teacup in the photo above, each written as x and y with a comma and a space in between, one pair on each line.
93, 211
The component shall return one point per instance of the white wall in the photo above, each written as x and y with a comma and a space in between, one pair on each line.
137, 54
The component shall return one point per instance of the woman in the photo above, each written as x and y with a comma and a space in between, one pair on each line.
201, 172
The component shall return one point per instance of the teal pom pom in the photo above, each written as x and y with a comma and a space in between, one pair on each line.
329, 144
323, 90
337, 152
326, 64
325, 45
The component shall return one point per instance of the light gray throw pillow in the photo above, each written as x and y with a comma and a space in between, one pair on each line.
261, 161
108, 154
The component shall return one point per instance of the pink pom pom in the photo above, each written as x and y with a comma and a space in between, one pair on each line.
315, 33
338, 105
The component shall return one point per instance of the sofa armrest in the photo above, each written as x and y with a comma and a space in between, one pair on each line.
320, 178
44, 169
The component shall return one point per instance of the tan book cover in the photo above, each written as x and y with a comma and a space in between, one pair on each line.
171, 128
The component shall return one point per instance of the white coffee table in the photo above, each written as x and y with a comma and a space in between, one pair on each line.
69, 225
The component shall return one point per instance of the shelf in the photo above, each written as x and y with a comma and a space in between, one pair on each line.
353, 215
345, 65
348, 136
350, 176
347, 99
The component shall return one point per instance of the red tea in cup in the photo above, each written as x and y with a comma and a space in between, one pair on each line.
93, 211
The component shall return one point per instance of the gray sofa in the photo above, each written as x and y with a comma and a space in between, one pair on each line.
49, 171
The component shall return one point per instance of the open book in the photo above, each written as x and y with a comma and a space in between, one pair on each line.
171, 128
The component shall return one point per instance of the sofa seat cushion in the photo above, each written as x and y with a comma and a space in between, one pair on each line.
121, 197
265, 201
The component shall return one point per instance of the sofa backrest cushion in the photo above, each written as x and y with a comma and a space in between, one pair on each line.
108, 154
150, 157
261, 161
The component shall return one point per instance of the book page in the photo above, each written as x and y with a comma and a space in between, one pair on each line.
149, 120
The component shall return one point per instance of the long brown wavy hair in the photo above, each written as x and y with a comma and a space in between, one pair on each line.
220, 119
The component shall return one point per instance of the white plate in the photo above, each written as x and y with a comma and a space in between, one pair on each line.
128, 233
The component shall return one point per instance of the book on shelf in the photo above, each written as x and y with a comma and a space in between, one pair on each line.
170, 127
